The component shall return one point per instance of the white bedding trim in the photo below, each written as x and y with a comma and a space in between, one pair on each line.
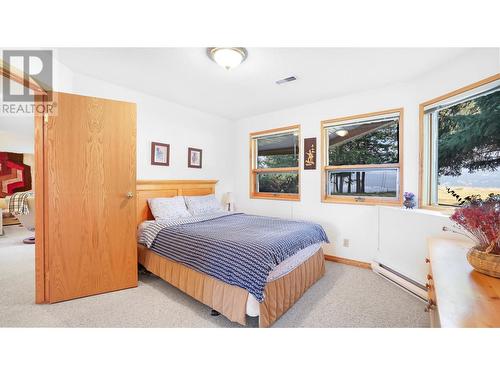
289, 264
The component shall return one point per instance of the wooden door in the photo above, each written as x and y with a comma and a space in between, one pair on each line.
89, 197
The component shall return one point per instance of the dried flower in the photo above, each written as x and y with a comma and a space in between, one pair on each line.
409, 201
409, 195
480, 219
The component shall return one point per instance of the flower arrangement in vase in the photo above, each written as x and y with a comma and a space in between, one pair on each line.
480, 220
409, 202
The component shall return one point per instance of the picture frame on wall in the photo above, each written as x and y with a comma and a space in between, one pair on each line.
195, 157
160, 154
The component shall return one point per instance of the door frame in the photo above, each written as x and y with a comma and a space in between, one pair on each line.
41, 258
10, 72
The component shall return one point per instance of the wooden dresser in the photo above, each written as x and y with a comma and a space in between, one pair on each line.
458, 295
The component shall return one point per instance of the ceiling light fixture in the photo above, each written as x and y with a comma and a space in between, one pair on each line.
341, 132
227, 57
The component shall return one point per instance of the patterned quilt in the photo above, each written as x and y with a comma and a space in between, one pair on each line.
236, 248
18, 203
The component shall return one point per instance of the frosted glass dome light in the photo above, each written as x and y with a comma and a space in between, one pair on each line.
341, 132
227, 57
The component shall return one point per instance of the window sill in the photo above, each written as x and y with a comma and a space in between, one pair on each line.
276, 196
365, 202
445, 211
423, 211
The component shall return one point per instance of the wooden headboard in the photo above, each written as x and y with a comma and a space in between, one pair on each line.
165, 189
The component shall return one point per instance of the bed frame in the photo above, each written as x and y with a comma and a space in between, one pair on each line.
229, 300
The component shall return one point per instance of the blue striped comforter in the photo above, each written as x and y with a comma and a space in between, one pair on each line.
238, 249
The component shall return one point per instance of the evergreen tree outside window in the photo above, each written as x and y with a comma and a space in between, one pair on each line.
461, 150
362, 158
274, 164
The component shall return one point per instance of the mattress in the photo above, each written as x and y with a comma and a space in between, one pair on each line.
283, 268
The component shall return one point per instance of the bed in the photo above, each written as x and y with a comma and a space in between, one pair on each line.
278, 278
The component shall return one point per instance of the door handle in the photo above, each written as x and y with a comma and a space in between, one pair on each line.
130, 195
429, 306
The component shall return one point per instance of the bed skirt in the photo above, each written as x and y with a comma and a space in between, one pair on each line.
282, 293
231, 300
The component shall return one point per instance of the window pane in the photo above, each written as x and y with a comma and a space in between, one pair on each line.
468, 146
375, 142
367, 182
278, 151
286, 183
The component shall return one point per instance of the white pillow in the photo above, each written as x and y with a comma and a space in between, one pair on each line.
168, 208
203, 204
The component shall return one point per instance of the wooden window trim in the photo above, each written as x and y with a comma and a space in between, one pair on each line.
276, 170
361, 166
254, 171
425, 203
362, 199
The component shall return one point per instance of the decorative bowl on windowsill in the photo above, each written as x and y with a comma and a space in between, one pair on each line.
480, 220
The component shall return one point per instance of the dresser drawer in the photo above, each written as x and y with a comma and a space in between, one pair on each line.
464, 297
431, 306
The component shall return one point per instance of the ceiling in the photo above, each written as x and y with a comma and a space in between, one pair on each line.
188, 77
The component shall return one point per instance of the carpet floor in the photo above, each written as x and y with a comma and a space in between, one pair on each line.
345, 297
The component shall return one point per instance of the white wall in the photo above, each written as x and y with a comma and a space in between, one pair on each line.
12, 141
401, 235
162, 121
17, 132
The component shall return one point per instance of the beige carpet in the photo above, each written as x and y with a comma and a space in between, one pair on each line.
346, 297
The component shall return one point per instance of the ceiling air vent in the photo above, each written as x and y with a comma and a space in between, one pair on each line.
286, 80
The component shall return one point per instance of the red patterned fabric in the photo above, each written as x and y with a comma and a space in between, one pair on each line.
15, 176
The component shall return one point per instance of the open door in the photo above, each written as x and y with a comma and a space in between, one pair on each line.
85, 186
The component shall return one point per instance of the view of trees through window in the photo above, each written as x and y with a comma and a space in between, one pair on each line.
285, 183
368, 143
278, 151
469, 148
369, 182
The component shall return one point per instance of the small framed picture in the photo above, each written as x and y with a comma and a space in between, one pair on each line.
160, 154
194, 157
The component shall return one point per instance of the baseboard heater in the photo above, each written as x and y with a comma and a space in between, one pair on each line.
400, 280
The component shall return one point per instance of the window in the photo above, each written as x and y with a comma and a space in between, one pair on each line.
461, 144
362, 161
274, 164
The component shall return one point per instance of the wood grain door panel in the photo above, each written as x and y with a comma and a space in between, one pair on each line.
90, 166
